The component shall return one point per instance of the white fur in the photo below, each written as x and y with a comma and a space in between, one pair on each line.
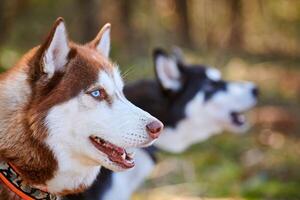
15, 93
71, 123
55, 56
125, 183
106, 81
196, 127
203, 120
117, 79
104, 43
213, 74
168, 72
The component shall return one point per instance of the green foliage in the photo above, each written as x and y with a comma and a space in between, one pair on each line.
2, 69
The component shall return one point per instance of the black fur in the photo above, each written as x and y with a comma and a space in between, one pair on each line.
166, 105
96, 191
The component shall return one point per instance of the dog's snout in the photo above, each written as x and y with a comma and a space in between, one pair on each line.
154, 129
255, 92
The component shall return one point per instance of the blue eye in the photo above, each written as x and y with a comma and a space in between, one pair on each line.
96, 93
99, 94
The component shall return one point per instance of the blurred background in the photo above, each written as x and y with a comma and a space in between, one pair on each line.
254, 40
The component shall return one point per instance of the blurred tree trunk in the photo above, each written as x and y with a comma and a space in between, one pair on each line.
3, 24
128, 36
125, 14
89, 23
236, 37
6, 15
183, 24
9, 9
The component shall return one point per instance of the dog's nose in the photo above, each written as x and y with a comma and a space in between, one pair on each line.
255, 92
154, 129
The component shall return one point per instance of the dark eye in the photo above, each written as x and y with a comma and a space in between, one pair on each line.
98, 94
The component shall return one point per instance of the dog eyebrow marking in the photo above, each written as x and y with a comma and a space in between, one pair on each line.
105, 81
213, 74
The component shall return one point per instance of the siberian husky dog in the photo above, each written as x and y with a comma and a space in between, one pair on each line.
63, 115
193, 102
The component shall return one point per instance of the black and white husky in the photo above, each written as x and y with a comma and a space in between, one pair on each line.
193, 102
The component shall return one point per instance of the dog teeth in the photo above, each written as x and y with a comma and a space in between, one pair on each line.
98, 140
124, 156
131, 155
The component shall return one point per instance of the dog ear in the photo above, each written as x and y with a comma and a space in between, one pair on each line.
178, 54
102, 40
167, 71
55, 50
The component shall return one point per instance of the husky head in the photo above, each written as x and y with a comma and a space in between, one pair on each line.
77, 97
199, 96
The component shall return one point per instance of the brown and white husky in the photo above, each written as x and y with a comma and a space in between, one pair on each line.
63, 115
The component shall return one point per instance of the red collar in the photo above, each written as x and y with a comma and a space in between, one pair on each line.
13, 181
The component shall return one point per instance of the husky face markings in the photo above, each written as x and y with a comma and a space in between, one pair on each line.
97, 123
204, 90
201, 103
74, 109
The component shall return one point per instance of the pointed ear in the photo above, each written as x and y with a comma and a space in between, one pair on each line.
178, 54
167, 71
55, 49
102, 40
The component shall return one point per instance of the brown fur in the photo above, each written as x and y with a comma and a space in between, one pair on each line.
27, 94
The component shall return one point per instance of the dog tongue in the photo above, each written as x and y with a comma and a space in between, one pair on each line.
115, 154
120, 160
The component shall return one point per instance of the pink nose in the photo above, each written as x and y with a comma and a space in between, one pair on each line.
154, 129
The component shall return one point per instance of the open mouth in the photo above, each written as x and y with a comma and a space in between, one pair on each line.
238, 118
115, 154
